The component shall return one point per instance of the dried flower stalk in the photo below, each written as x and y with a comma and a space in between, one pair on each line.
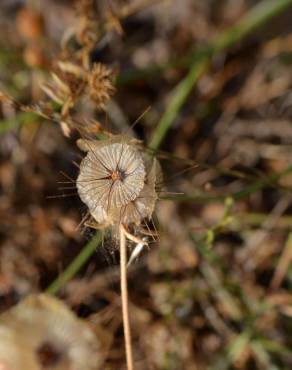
118, 182
125, 300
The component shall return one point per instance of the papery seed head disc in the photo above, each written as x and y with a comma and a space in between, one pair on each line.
145, 202
95, 182
143, 206
99, 214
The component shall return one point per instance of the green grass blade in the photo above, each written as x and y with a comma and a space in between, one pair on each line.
248, 190
255, 18
79, 261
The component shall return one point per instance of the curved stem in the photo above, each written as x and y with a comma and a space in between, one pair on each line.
75, 265
124, 295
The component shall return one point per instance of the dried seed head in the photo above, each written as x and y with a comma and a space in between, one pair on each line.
67, 81
114, 175
41, 332
100, 81
117, 181
87, 29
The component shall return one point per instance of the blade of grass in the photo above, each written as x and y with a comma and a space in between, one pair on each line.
273, 346
283, 264
255, 18
248, 190
262, 355
256, 219
79, 261
238, 346
227, 301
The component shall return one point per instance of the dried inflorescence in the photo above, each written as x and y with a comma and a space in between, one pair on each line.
75, 75
118, 181
67, 84
100, 83
42, 333
87, 27
71, 81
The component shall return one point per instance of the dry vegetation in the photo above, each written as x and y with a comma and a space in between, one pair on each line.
213, 290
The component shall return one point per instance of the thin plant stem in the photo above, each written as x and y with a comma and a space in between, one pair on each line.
255, 18
124, 296
79, 261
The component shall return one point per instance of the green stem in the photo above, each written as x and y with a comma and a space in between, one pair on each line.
255, 18
75, 265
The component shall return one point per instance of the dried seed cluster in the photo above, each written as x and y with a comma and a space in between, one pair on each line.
87, 27
71, 82
75, 77
118, 181
100, 82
